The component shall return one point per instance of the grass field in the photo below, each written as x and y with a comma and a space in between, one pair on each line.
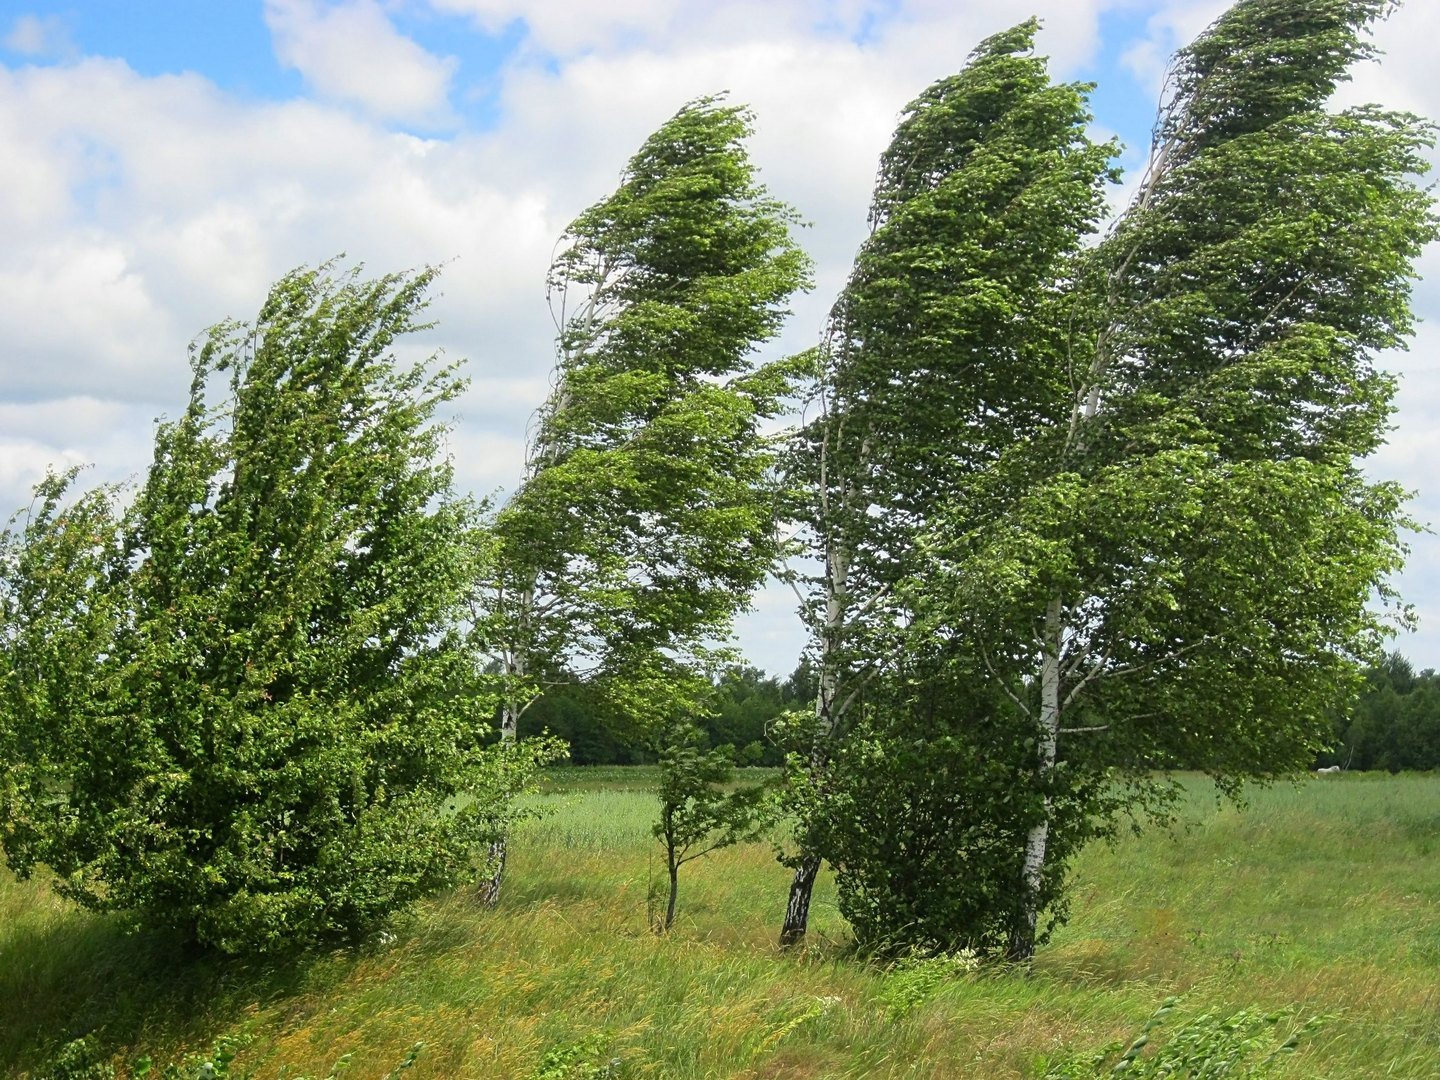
1320, 898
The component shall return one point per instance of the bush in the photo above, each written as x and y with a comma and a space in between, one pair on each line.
923, 814
246, 706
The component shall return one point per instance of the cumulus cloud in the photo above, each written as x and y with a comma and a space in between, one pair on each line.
1176, 23
39, 36
351, 52
146, 209
138, 210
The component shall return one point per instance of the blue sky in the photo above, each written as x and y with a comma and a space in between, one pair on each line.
162, 162
227, 42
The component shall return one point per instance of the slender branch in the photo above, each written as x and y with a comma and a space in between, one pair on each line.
1130, 669
985, 658
1095, 670
790, 580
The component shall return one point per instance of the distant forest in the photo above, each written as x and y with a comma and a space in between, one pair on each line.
745, 703
1393, 725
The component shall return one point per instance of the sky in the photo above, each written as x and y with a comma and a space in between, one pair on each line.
162, 162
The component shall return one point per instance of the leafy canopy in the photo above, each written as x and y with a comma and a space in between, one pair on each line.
280, 738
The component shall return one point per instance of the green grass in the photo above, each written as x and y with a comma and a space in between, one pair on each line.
1317, 898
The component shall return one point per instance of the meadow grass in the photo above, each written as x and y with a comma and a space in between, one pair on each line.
1320, 898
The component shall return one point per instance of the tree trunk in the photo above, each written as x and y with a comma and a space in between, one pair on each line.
509, 726
1022, 939
495, 864
797, 910
674, 891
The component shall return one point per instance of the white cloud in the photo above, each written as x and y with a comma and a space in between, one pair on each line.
563, 28
77, 318
146, 209
136, 211
40, 437
39, 36
1176, 23
351, 52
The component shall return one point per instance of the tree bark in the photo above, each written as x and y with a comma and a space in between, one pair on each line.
674, 891
1022, 939
797, 907
509, 728
797, 910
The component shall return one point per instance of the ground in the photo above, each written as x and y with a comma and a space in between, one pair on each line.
1319, 898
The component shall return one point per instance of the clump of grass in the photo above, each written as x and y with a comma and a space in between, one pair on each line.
1242, 1045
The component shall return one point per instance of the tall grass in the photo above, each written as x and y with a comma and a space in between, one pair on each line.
1317, 898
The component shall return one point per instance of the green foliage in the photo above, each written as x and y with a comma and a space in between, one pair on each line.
584, 717
280, 737
1393, 724
646, 516
697, 814
215, 1064
1169, 558
929, 366
218, 1062
913, 980
1243, 1045
582, 1060
742, 709
62, 611
945, 347
79, 1059
746, 705
926, 813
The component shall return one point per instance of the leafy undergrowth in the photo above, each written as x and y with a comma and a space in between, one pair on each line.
1312, 913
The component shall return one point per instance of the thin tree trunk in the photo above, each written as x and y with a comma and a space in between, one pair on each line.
495, 864
509, 728
1022, 939
797, 910
674, 891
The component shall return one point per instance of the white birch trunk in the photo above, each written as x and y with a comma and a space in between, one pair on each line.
837, 575
510, 709
1022, 941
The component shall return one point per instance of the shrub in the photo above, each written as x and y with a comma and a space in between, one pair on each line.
279, 736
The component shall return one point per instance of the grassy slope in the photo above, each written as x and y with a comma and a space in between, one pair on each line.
1319, 898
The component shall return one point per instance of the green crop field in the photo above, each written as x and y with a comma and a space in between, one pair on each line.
1319, 899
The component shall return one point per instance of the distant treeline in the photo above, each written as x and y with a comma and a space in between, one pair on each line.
746, 702
1393, 725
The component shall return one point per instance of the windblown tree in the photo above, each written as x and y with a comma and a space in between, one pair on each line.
700, 809
939, 353
646, 517
1172, 564
279, 740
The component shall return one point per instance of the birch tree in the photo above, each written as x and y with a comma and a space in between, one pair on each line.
1174, 566
930, 365
646, 517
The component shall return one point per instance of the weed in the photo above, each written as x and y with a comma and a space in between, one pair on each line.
914, 980
1243, 1045
577, 1061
